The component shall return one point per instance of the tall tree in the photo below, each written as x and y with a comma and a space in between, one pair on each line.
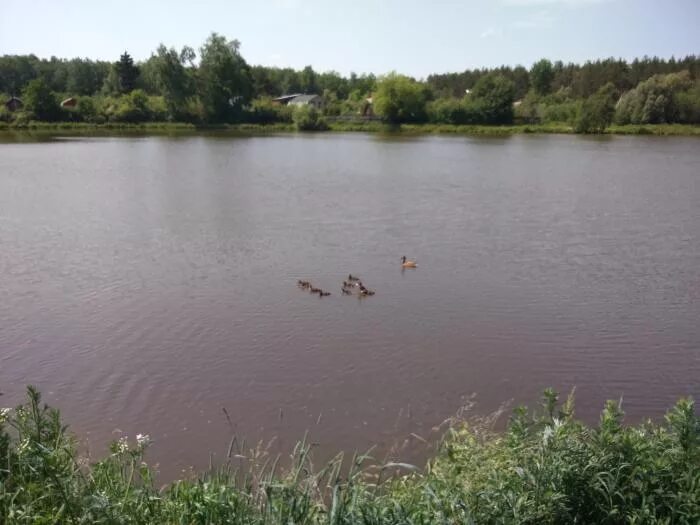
226, 83
597, 111
172, 77
39, 99
308, 80
493, 97
541, 76
400, 99
127, 73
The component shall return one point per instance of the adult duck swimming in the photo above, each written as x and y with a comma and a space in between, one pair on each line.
405, 263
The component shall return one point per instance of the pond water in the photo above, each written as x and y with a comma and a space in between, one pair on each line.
149, 282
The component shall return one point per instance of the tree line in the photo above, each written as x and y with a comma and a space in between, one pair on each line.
215, 84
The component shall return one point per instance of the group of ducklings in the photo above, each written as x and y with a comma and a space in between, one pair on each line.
352, 284
355, 283
306, 285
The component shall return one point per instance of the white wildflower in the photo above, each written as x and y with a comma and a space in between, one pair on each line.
143, 440
4, 412
122, 445
23, 446
547, 435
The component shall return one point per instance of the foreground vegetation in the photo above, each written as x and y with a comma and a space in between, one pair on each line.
546, 467
217, 86
156, 128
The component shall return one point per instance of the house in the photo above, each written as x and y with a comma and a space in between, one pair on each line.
367, 108
307, 100
285, 99
13, 104
298, 99
70, 102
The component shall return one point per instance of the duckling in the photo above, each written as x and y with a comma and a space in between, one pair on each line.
351, 278
324, 294
345, 291
405, 263
315, 290
303, 284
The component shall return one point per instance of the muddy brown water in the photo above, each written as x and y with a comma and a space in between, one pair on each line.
147, 282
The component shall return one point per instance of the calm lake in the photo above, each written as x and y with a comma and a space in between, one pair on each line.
149, 282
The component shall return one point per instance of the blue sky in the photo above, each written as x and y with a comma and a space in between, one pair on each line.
416, 37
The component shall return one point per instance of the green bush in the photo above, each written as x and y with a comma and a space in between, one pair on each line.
447, 111
561, 112
546, 467
688, 105
308, 118
597, 111
265, 111
41, 101
653, 101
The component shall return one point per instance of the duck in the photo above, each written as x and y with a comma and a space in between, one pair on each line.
324, 294
346, 292
315, 290
303, 284
405, 263
351, 278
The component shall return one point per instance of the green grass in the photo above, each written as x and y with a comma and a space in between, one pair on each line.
546, 467
348, 126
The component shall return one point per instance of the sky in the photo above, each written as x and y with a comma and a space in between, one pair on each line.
414, 37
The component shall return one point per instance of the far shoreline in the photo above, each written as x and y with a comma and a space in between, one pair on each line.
157, 128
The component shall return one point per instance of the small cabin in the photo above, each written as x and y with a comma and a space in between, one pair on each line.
70, 102
307, 100
298, 99
285, 99
13, 104
367, 107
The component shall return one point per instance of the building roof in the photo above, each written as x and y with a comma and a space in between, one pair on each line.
301, 99
286, 98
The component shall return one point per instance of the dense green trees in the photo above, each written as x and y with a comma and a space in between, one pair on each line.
541, 76
660, 99
225, 83
173, 79
219, 86
492, 97
308, 118
126, 72
597, 111
40, 100
400, 99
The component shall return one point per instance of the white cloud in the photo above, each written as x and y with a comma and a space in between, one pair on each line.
491, 32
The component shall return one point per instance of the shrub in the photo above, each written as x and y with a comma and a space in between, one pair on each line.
653, 101
546, 467
265, 111
447, 111
41, 101
597, 111
308, 118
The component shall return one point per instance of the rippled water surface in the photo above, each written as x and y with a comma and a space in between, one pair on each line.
148, 282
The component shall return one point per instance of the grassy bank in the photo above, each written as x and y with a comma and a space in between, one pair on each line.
349, 126
545, 468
